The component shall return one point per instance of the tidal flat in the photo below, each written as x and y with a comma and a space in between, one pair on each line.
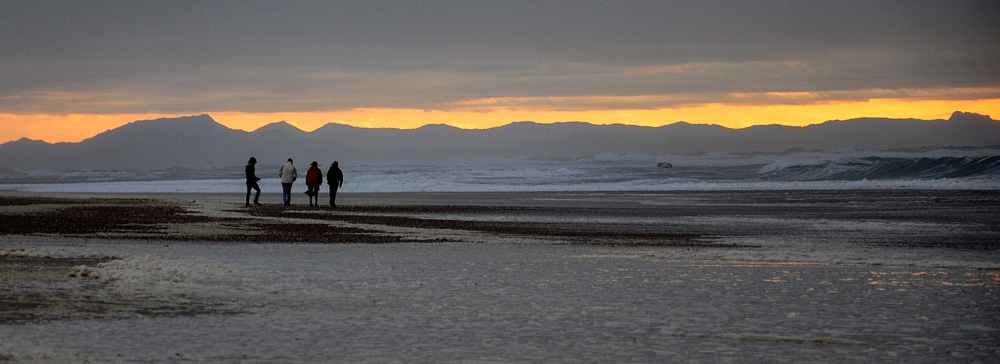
741, 276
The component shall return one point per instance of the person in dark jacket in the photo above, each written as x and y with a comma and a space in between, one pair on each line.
314, 178
252, 181
334, 178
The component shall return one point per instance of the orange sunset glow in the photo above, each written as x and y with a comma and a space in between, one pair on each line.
77, 127
475, 66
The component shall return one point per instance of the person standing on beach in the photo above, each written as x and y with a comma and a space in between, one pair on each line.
288, 175
334, 178
314, 178
252, 180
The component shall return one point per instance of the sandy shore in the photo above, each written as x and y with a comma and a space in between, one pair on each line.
211, 218
755, 276
956, 219
410, 218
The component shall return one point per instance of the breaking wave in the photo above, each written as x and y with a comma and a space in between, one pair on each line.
842, 169
882, 168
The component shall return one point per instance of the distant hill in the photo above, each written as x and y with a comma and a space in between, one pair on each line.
199, 141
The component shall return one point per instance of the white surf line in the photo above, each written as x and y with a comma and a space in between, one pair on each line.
770, 337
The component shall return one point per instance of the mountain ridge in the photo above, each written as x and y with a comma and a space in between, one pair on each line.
200, 141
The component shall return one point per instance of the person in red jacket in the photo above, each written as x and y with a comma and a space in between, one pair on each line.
314, 178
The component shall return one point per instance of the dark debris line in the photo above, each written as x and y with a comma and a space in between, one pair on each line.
147, 219
390, 216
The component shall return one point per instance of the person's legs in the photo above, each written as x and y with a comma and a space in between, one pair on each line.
333, 196
256, 197
286, 196
248, 194
313, 194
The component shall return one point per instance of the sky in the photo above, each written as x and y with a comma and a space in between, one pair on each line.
73, 69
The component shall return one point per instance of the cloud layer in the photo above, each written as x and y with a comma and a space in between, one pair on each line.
64, 57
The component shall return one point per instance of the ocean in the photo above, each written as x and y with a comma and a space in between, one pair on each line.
811, 170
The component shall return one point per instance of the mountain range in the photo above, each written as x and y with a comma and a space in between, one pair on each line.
200, 141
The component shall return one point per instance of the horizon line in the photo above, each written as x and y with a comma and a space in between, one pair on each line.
53, 128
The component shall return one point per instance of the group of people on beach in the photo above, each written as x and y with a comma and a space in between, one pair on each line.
288, 174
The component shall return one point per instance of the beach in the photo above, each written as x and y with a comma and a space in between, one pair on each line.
696, 276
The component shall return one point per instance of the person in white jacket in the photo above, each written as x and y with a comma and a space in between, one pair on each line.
288, 175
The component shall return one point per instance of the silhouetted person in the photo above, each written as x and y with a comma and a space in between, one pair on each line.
314, 178
288, 175
334, 178
252, 181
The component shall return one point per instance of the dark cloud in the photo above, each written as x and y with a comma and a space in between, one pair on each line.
183, 56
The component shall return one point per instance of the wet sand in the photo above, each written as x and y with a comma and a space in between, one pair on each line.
920, 218
785, 276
